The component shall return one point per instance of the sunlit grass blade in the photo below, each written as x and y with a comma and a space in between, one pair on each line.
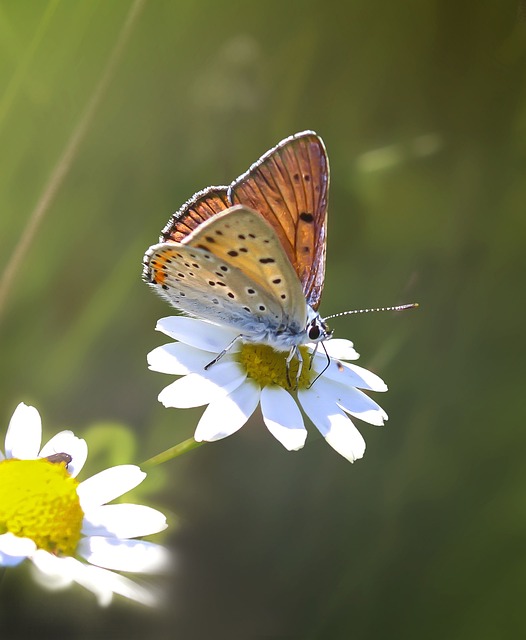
66, 158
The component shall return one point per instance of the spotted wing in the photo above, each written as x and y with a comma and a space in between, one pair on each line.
231, 270
201, 206
288, 186
245, 240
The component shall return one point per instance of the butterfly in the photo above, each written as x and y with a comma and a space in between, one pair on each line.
251, 256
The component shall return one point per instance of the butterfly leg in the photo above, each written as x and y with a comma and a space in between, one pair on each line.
338, 363
224, 352
313, 354
294, 352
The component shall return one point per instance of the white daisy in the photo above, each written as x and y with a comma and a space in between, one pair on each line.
61, 525
252, 374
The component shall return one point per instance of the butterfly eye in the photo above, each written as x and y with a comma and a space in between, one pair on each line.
314, 331
317, 330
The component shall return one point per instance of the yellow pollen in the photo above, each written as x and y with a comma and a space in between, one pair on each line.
38, 500
267, 366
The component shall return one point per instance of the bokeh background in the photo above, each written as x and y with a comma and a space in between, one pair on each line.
422, 106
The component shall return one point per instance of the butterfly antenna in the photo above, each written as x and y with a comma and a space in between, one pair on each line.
400, 307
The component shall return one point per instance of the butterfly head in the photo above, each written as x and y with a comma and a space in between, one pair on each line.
317, 329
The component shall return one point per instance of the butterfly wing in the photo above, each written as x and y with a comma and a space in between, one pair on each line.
232, 270
288, 186
201, 206
245, 240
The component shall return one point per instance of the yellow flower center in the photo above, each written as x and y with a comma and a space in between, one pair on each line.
38, 500
267, 366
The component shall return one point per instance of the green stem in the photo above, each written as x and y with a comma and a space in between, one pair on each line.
172, 452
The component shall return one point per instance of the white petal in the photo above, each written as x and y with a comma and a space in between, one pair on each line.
351, 400
96, 578
67, 442
123, 521
108, 485
197, 389
57, 573
178, 359
24, 433
349, 374
103, 583
337, 429
60, 572
283, 417
53, 572
124, 555
225, 416
359, 405
197, 333
14, 549
345, 438
340, 349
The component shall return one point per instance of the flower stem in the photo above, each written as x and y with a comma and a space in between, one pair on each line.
173, 452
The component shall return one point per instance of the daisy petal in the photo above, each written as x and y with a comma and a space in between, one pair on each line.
337, 429
123, 521
359, 405
24, 433
14, 549
95, 577
108, 485
225, 416
345, 438
178, 359
67, 442
53, 572
283, 417
57, 573
349, 374
351, 400
197, 389
197, 333
340, 349
124, 555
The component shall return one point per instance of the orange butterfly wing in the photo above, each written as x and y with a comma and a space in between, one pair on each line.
201, 206
288, 186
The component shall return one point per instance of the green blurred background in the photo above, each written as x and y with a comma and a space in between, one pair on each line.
422, 106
